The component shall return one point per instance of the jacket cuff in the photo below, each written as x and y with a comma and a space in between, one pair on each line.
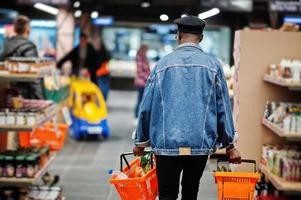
143, 144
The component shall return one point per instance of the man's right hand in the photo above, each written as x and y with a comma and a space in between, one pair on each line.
233, 155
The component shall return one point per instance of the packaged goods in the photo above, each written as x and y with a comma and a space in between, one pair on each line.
286, 115
25, 112
21, 65
289, 69
284, 161
24, 163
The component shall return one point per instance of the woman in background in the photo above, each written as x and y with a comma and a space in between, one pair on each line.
143, 71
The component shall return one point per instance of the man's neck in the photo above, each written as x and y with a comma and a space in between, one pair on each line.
188, 41
25, 36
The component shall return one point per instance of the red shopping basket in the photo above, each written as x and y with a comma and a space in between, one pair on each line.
236, 185
45, 135
142, 188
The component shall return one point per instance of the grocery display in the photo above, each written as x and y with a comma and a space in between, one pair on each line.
286, 116
32, 193
23, 163
27, 163
26, 113
287, 69
20, 65
284, 162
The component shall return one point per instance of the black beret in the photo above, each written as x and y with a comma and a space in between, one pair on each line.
190, 24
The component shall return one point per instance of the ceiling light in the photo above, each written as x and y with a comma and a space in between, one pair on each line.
164, 17
77, 13
184, 15
76, 4
46, 8
209, 13
145, 4
94, 14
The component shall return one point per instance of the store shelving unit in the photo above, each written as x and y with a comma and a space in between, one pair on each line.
279, 131
49, 114
279, 183
27, 181
18, 77
254, 51
282, 82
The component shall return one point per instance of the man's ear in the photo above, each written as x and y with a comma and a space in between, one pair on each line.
201, 38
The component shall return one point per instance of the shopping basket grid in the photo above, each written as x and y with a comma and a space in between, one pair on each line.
236, 185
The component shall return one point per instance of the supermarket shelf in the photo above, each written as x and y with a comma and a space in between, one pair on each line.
282, 82
279, 131
51, 111
279, 183
19, 77
27, 181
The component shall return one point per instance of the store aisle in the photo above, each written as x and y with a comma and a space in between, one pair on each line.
83, 166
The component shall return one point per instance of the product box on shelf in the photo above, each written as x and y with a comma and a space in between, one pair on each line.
284, 162
288, 69
28, 112
285, 115
36, 66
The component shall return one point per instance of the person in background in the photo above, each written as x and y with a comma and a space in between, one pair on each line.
82, 57
142, 73
103, 72
20, 46
185, 114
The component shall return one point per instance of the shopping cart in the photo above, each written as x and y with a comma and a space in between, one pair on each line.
142, 188
236, 185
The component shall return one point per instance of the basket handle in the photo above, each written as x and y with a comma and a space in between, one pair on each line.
123, 158
243, 161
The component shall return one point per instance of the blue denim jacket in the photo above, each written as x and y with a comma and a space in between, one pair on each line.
185, 105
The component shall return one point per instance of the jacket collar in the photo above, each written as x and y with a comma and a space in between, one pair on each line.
190, 45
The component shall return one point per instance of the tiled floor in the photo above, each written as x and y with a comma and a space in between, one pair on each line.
83, 166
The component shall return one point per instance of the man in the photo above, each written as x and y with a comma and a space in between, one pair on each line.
82, 57
20, 46
185, 114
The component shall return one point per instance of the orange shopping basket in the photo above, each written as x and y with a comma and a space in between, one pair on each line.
236, 185
142, 188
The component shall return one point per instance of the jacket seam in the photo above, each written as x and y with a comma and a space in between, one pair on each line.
207, 107
224, 106
186, 65
163, 111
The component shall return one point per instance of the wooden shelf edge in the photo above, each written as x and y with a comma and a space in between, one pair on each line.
19, 77
27, 181
281, 82
279, 183
278, 130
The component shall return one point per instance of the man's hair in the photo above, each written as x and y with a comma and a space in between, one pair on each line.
20, 24
83, 35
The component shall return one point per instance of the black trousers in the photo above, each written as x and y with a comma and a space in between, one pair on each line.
169, 169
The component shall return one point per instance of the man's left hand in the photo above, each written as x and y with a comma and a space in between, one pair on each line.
138, 151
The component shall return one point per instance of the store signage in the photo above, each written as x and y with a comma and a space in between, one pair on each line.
103, 21
50, 2
285, 6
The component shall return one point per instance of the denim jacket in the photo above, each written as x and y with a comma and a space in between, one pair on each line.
185, 105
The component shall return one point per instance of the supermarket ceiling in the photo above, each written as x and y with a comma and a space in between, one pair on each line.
134, 10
